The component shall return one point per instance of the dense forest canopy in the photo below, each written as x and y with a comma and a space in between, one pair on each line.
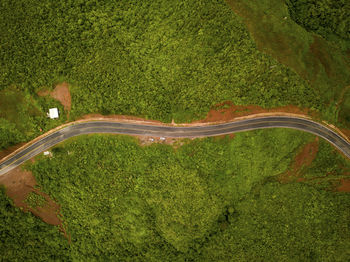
324, 17
160, 59
212, 199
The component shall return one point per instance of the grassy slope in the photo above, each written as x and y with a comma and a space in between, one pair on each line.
324, 65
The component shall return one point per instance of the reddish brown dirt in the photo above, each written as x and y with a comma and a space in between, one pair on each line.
19, 183
60, 93
303, 159
344, 185
306, 156
345, 132
43, 92
227, 112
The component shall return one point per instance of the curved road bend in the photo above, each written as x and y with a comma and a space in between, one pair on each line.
177, 132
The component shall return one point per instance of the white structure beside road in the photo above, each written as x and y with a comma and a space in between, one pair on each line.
53, 113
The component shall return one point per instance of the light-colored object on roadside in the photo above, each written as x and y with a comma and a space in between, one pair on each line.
151, 139
46, 153
162, 138
53, 113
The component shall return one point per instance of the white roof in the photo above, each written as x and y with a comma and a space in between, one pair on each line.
53, 113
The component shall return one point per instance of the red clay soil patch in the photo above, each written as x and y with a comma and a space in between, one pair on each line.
19, 183
227, 111
302, 159
306, 156
60, 93
344, 186
43, 92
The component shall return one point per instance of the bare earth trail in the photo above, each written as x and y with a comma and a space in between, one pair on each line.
153, 129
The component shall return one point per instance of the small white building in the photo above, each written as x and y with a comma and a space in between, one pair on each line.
53, 113
46, 153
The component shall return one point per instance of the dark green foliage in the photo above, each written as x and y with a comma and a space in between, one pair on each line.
293, 222
324, 17
160, 59
9, 135
35, 200
211, 199
24, 237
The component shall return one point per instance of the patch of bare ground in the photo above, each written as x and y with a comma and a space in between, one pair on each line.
303, 158
344, 185
60, 93
227, 111
149, 140
19, 184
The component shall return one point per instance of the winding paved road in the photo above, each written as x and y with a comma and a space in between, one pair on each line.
178, 132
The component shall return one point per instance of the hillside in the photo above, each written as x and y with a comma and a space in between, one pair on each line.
266, 195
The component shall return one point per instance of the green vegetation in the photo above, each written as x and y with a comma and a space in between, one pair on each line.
22, 117
323, 64
324, 17
213, 199
345, 107
35, 200
26, 238
331, 20
292, 222
161, 59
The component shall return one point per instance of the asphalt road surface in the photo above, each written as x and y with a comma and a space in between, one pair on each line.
178, 132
